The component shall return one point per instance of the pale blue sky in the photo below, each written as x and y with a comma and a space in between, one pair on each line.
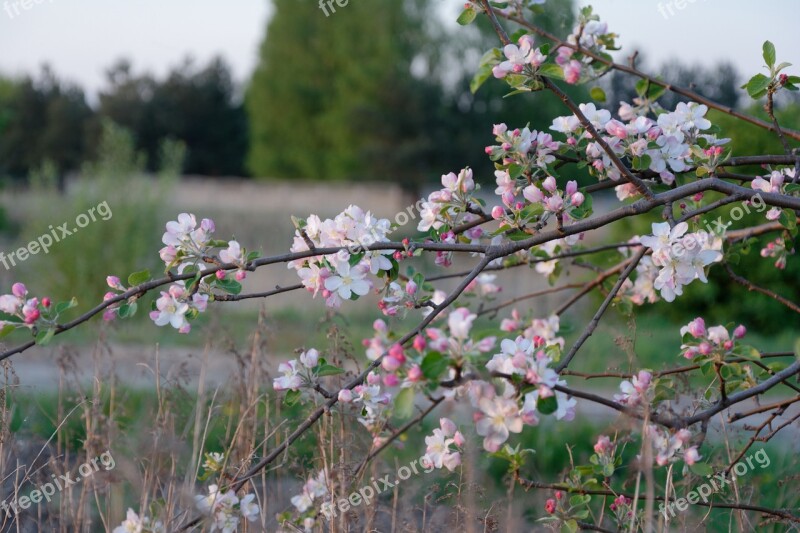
81, 38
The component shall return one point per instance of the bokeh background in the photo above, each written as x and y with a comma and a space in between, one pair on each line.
252, 111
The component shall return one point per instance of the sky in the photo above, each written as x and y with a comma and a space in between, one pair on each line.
80, 39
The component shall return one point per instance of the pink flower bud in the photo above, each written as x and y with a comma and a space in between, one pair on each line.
499, 129
46, 302
489, 150
240, 275
373, 378
572, 188
391, 380
345, 396
113, 282
168, 253
411, 288
550, 506
739, 332
498, 212
603, 445
419, 343
577, 199
728, 345
549, 184
220, 274
704, 348
697, 328
448, 427
108, 296
414, 373
598, 165
506, 146
559, 495
572, 141
31, 315
19, 290
398, 255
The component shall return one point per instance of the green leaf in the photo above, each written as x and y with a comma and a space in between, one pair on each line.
63, 306
8, 328
551, 70
292, 397
598, 94
484, 73
788, 219
467, 16
404, 403
701, 469
769, 54
328, 370
43, 338
548, 405
127, 310
757, 86
137, 278
569, 526
229, 285
434, 365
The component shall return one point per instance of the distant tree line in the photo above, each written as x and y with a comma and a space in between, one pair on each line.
357, 95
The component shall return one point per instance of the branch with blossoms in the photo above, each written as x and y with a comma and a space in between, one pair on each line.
515, 374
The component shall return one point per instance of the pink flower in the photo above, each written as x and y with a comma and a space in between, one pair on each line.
572, 72
616, 128
696, 328
168, 254
740, 331
414, 373
603, 445
691, 456
391, 380
550, 184
498, 212
550, 506
19, 290
577, 199
345, 396
419, 343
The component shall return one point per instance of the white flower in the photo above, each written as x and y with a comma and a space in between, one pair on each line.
290, 380
132, 523
500, 417
233, 254
348, 280
460, 322
249, 508
309, 358
718, 335
170, 309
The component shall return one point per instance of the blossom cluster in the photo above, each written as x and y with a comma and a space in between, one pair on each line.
444, 206
134, 523
589, 34
637, 391
774, 183
680, 257
315, 489
703, 341
672, 447
667, 145
519, 56
23, 312
343, 275
439, 452
226, 510
189, 248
